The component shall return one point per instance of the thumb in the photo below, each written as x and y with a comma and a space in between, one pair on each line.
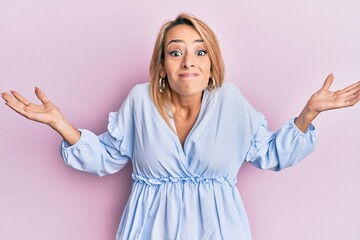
40, 95
328, 81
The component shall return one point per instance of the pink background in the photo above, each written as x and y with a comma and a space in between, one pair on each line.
86, 55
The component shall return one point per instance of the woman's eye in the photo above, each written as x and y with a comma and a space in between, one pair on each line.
201, 53
175, 53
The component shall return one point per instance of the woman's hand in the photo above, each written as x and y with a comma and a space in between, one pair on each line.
46, 113
324, 100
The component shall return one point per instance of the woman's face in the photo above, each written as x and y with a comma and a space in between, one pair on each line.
186, 61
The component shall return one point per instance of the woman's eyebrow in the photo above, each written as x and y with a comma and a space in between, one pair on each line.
181, 41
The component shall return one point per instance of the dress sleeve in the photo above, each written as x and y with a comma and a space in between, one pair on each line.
108, 152
280, 149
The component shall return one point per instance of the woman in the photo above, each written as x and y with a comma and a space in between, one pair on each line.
187, 134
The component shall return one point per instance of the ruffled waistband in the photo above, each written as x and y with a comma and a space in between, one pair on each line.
169, 179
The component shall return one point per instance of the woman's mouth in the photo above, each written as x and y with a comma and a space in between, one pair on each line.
188, 75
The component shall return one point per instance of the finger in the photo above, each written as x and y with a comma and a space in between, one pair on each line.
351, 93
41, 96
353, 88
10, 99
328, 81
355, 100
5, 96
20, 98
14, 104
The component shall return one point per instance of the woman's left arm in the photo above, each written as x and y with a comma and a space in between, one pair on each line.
324, 100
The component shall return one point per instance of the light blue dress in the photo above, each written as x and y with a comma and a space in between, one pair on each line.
187, 193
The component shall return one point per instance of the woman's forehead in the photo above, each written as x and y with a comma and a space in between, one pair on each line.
182, 33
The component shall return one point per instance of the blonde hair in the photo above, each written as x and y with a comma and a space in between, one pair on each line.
162, 99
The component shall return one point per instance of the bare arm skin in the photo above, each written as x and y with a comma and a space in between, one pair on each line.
46, 113
324, 100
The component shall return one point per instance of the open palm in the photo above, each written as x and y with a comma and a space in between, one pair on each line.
46, 112
324, 100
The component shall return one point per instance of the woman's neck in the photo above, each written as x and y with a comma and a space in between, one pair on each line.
187, 109
186, 106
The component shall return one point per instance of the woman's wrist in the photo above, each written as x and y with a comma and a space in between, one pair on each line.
65, 129
305, 118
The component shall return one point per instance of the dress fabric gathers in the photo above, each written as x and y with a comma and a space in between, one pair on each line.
187, 192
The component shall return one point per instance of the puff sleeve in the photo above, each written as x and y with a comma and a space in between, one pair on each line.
108, 152
280, 149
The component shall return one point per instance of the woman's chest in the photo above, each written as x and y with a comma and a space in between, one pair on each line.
211, 148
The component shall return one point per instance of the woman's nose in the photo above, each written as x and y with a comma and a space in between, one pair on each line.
188, 61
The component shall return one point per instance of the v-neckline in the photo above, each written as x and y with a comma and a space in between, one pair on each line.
193, 128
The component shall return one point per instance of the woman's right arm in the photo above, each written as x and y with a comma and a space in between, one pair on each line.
46, 113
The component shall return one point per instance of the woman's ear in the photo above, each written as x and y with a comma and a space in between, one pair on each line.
162, 71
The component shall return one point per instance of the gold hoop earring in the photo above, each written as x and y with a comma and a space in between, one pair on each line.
161, 84
211, 86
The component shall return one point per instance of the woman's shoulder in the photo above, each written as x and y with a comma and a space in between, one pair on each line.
229, 86
139, 93
141, 89
229, 90
230, 96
